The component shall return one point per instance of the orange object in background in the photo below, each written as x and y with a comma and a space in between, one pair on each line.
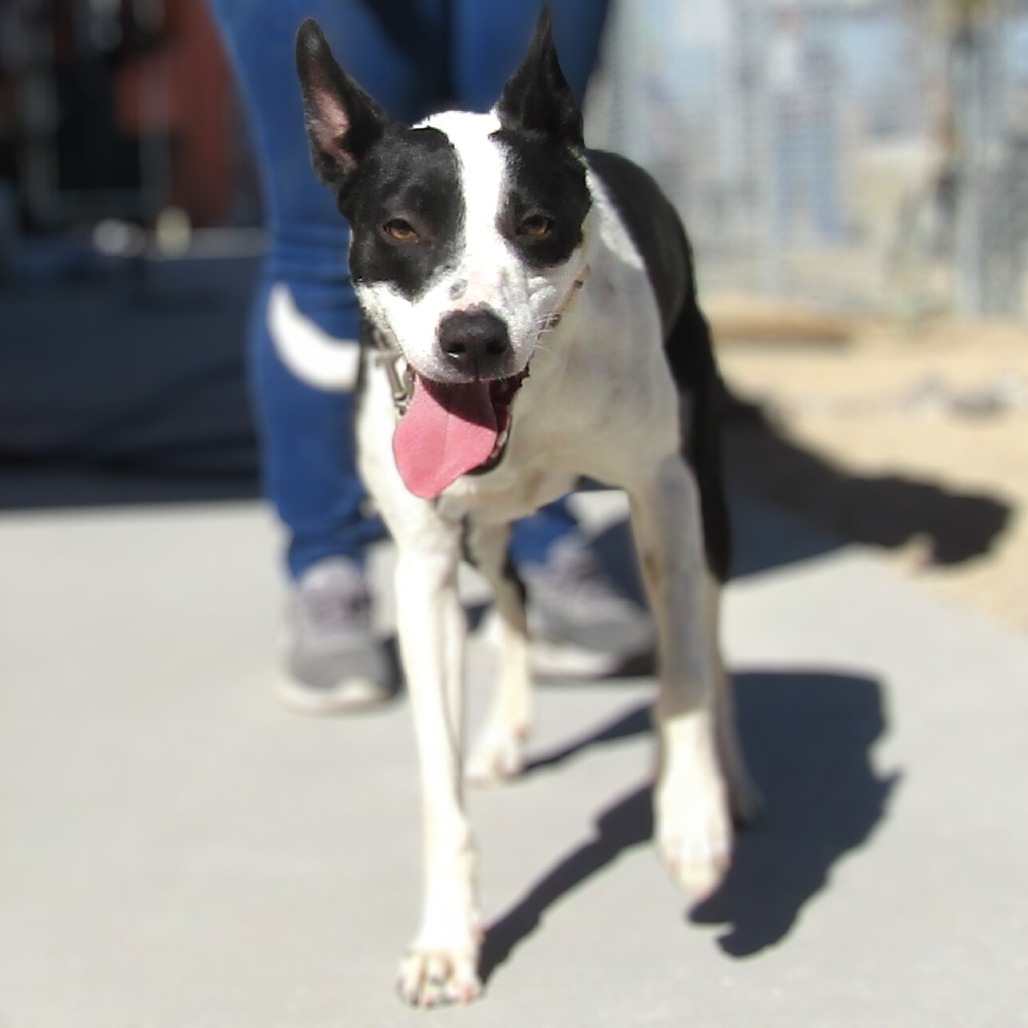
182, 87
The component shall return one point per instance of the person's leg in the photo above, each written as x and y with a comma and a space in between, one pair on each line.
531, 538
308, 463
308, 452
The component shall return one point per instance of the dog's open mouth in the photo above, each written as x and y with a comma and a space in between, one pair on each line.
453, 429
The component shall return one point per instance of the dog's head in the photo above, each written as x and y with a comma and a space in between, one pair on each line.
466, 240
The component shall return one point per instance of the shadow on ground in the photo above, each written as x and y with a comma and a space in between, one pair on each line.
887, 511
789, 504
809, 737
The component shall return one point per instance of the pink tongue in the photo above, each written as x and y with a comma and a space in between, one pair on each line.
448, 430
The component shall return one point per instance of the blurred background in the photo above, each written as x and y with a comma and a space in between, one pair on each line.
853, 174
860, 153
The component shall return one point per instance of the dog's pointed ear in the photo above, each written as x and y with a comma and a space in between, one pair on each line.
343, 122
537, 97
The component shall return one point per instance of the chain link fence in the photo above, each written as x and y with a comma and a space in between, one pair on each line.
859, 154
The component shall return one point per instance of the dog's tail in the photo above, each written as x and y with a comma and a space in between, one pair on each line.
310, 353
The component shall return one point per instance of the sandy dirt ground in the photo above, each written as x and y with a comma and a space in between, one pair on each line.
912, 438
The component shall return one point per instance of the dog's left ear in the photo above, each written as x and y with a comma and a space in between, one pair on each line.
537, 97
343, 122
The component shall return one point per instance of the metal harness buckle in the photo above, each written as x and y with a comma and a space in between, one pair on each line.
388, 358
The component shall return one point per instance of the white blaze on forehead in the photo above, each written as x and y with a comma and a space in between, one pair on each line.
484, 262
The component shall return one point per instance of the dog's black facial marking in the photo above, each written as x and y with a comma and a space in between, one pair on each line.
405, 209
547, 198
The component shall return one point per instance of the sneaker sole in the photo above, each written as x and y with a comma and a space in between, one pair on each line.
352, 696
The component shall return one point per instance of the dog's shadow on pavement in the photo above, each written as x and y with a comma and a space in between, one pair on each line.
809, 737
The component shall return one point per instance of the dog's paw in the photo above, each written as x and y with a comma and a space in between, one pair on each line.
497, 757
439, 977
694, 834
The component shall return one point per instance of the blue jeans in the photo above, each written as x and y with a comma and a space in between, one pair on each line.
414, 57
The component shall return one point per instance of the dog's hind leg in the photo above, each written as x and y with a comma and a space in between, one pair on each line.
441, 965
499, 752
693, 822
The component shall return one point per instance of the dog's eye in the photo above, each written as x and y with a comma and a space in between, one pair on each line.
400, 231
536, 226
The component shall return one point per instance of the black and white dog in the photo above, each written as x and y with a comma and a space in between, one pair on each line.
531, 319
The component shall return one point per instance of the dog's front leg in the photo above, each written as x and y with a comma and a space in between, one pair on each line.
441, 966
692, 819
499, 752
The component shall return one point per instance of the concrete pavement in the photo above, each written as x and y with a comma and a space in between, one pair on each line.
176, 851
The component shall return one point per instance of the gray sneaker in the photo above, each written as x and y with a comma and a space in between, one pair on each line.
581, 624
337, 664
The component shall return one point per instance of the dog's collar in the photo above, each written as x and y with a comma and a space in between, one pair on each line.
401, 385
553, 320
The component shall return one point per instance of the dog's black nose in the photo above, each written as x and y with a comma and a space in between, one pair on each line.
475, 342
